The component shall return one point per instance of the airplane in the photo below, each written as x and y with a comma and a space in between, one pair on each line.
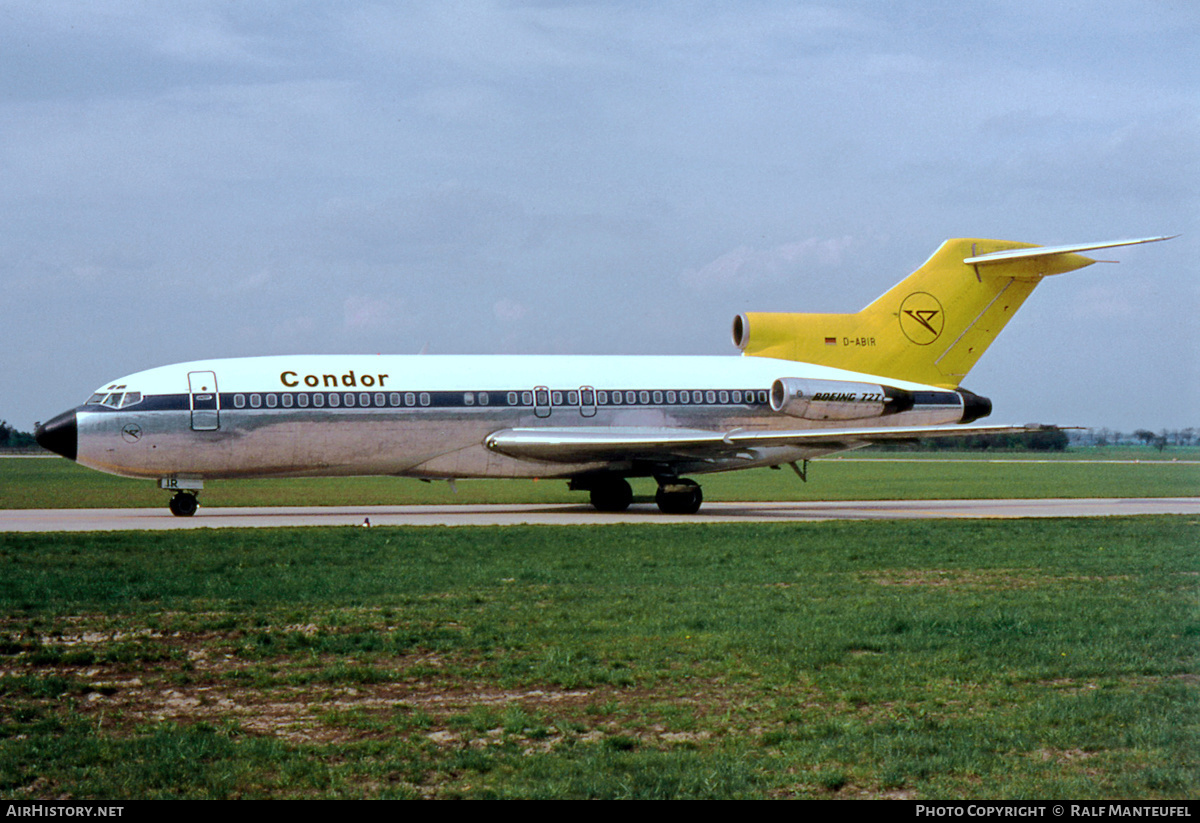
806, 386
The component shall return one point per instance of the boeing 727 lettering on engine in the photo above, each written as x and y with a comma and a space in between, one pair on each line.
807, 385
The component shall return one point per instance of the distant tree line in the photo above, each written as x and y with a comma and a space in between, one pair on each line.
1045, 440
1054, 439
1160, 440
10, 438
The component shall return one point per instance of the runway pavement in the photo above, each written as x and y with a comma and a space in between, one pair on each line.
41, 520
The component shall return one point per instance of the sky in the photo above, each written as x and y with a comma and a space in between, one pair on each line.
188, 180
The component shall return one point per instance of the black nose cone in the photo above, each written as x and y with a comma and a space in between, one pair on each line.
60, 435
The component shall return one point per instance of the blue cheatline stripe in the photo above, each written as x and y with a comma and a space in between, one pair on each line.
522, 398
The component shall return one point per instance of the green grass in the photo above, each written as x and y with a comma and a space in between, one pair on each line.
58, 483
923, 659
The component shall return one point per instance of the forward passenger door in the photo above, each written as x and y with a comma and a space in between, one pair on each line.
205, 401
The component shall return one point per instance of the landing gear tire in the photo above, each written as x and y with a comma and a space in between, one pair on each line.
184, 504
679, 497
612, 496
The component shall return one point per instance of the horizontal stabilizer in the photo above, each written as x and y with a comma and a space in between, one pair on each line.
1050, 251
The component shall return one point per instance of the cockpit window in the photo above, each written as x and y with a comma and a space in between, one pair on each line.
114, 400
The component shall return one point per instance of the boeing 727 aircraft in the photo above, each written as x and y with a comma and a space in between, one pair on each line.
807, 385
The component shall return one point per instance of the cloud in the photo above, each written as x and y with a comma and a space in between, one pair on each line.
746, 266
295, 328
370, 313
509, 311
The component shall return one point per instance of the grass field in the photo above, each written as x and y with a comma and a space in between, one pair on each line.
923, 659
1140, 472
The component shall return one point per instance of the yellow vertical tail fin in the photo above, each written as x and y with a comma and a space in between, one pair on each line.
931, 327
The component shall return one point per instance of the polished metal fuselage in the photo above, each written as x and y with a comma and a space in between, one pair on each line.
161, 436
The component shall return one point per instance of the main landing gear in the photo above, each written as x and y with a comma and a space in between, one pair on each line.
675, 495
184, 504
611, 494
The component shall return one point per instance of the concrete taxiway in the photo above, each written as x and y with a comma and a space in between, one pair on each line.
41, 520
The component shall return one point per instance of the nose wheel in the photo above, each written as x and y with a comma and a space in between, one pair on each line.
183, 504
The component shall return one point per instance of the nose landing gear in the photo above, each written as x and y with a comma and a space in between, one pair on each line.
184, 504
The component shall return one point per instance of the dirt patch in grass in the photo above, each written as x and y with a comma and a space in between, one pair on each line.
296, 698
984, 579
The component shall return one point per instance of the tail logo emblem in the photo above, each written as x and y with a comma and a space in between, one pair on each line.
922, 318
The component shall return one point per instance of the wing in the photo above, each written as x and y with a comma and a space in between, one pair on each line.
580, 445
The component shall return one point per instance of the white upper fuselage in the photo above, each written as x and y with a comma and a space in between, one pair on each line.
491, 372
430, 415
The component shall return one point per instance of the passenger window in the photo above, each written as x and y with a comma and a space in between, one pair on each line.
239, 401
379, 401
424, 398
272, 401
318, 399
657, 398
723, 397
302, 399
512, 398
287, 400
335, 399
410, 399
527, 398
255, 401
